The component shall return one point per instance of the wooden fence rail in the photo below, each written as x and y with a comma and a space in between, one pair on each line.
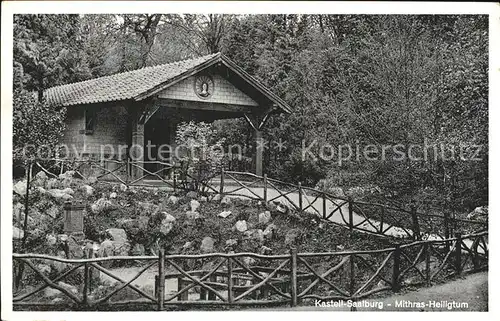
269, 280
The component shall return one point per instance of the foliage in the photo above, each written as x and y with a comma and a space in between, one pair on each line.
200, 154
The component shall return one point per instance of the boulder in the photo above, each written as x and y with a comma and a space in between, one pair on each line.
106, 248
268, 232
138, 250
257, 235
52, 183
123, 187
20, 188
207, 245
101, 205
57, 266
18, 212
190, 215
117, 234
40, 178
192, 195
231, 242
51, 239
224, 214
75, 250
173, 199
61, 194
203, 199
44, 268
337, 192
17, 233
187, 246
167, 224
282, 208
91, 180
479, 212
248, 261
113, 195
52, 211
226, 200
89, 190
241, 226
291, 236
194, 205
264, 217
264, 250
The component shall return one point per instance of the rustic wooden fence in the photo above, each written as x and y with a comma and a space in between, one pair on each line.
249, 279
379, 219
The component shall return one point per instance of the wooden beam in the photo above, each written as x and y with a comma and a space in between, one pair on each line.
206, 106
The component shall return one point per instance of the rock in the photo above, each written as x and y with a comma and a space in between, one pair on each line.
52, 183
248, 261
18, 212
264, 250
117, 234
53, 211
41, 190
207, 245
70, 288
75, 250
190, 215
20, 188
225, 200
264, 217
89, 190
17, 233
51, 239
216, 198
113, 195
282, 208
340, 247
268, 232
224, 214
59, 267
101, 205
337, 192
167, 224
123, 187
187, 246
44, 268
106, 248
138, 250
291, 236
91, 180
121, 248
241, 226
40, 178
231, 242
192, 195
257, 235
51, 292
204, 199
194, 205
173, 199
61, 194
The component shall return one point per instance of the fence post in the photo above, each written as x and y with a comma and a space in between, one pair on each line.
447, 229
352, 278
293, 276
300, 197
221, 190
458, 253
211, 295
395, 269
351, 219
127, 170
427, 264
86, 285
161, 279
382, 214
324, 205
415, 224
229, 281
265, 188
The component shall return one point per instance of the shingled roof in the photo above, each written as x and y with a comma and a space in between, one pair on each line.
142, 83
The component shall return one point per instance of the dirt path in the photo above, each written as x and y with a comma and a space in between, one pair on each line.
469, 294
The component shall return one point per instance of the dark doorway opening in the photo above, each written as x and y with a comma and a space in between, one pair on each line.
157, 146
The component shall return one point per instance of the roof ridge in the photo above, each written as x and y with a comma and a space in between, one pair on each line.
133, 70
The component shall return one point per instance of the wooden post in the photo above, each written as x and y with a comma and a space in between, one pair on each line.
26, 207
351, 218
447, 229
86, 285
211, 295
382, 214
265, 188
259, 152
221, 188
180, 285
458, 253
395, 269
352, 278
415, 224
127, 169
230, 294
300, 197
427, 263
293, 276
161, 279
324, 205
